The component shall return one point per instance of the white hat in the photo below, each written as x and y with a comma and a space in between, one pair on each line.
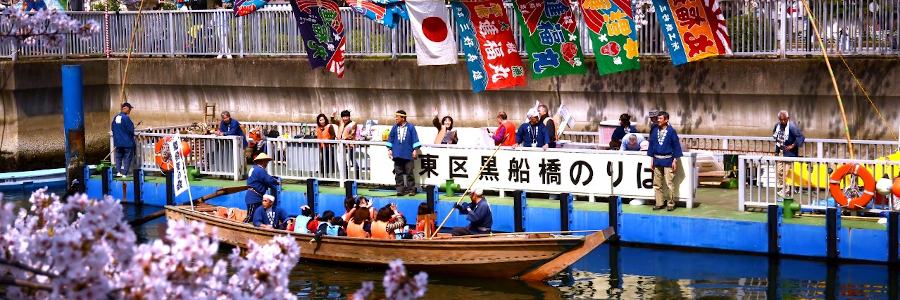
269, 197
478, 191
532, 113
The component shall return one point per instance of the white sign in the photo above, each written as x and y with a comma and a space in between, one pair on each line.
587, 172
179, 168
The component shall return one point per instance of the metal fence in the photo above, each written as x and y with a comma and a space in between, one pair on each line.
759, 27
765, 180
326, 160
211, 155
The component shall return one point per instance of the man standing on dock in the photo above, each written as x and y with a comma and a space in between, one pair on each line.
533, 133
259, 182
479, 214
403, 145
788, 140
123, 140
230, 127
665, 149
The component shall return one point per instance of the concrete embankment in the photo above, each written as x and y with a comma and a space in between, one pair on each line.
717, 96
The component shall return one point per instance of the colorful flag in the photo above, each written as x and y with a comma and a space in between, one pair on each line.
430, 23
610, 25
487, 42
246, 7
693, 29
384, 12
551, 37
323, 33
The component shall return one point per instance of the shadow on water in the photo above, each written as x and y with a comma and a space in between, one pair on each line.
609, 272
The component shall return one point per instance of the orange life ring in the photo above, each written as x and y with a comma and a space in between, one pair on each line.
163, 155
868, 192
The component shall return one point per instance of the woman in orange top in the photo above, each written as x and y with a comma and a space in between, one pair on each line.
505, 135
386, 221
425, 220
325, 131
360, 224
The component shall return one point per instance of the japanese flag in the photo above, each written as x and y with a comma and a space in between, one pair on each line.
430, 22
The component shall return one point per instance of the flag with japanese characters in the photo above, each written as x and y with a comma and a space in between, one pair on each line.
430, 24
384, 12
611, 27
179, 168
320, 25
551, 37
693, 29
486, 38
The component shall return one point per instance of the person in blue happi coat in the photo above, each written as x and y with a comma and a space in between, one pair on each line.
478, 213
403, 145
618, 135
230, 127
269, 216
664, 150
259, 182
533, 133
123, 140
788, 140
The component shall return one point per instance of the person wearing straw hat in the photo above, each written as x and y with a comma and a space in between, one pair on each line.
403, 145
478, 212
259, 181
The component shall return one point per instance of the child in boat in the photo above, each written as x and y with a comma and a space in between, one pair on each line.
329, 225
386, 222
360, 224
424, 221
302, 221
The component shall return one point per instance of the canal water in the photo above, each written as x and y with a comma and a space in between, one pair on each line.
612, 272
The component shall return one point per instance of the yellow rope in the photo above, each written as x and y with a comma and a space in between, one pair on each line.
134, 28
884, 121
837, 90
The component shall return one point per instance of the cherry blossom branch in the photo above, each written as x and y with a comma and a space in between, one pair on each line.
26, 268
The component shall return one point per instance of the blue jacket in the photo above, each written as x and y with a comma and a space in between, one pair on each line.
259, 181
670, 149
526, 134
794, 137
620, 132
479, 216
260, 217
403, 149
122, 131
232, 128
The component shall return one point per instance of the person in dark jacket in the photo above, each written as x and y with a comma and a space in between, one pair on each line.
123, 140
403, 145
478, 213
231, 127
533, 133
788, 140
268, 216
549, 123
259, 182
619, 133
665, 149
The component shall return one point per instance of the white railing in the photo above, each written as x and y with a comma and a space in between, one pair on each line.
326, 160
211, 155
764, 27
806, 180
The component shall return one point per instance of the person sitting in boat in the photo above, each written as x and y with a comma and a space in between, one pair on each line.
478, 212
259, 182
360, 224
269, 216
424, 220
329, 225
386, 222
352, 204
302, 221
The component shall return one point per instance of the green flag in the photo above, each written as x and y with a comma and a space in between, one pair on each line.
551, 37
610, 25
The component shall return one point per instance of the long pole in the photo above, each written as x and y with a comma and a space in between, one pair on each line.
837, 91
433, 234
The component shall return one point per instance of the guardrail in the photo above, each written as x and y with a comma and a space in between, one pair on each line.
326, 160
760, 27
806, 180
211, 155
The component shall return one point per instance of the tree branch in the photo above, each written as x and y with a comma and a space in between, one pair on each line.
24, 283
26, 268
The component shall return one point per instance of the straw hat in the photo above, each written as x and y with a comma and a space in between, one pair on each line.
262, 157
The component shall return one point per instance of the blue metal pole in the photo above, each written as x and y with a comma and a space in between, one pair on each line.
73, 121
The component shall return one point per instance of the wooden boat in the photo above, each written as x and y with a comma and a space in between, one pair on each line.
531, 257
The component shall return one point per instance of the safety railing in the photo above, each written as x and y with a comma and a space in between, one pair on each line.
760, 27
326, 160
765, 180
211, 155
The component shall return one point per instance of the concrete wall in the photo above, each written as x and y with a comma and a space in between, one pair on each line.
719, 96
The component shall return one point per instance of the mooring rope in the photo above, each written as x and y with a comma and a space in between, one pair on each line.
134, 28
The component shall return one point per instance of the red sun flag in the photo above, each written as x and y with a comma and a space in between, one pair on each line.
430, 24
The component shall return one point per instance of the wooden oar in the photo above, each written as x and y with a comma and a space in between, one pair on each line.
162, 212
523, 233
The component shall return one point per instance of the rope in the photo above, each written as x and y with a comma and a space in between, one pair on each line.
466, 192
837, 90
889, 126
137, 23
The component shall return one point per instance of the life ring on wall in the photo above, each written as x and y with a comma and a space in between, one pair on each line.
868, 191
163, 155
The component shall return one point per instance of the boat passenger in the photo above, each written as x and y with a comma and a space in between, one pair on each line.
269, 216
425, 220
446, 133
386, 222
478, 212
259, 182
360, 224
632, 142
533, 133
349, 207
329, 225
505, 135
302, 221
230, 127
